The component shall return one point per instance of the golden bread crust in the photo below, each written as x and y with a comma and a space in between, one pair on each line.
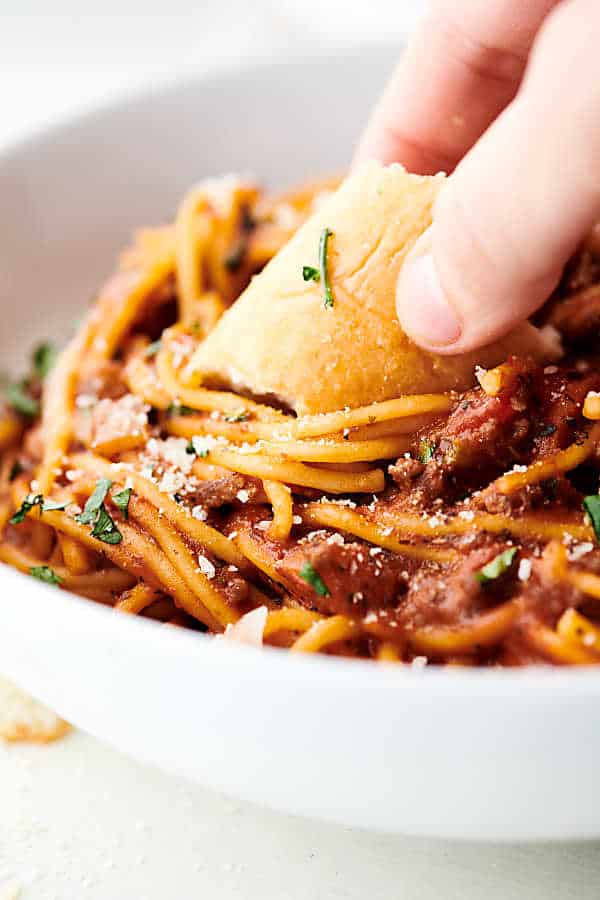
279, 340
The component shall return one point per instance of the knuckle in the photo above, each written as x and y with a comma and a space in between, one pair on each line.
468, 43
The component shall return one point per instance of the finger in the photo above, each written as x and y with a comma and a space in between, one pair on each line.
517, 206
463, 66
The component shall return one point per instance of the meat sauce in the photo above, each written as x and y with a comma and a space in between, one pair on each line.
450, 472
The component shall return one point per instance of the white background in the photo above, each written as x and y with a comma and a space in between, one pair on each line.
76, 819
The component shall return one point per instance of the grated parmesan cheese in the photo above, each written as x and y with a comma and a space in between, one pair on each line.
524, 570
250, 628
579, 550
206, 567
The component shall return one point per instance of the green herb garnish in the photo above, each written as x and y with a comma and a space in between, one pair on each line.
44, 358
328, 300
45, 573
591, 505
15, 470
152, 349
94, 513
241, 416
309, 273
309, 574
497, 566
28, 503
94, 502
35, 500
426, 451
21, 400
121, 501
49, 505
105, 529
192, 449
545, 430
178, 409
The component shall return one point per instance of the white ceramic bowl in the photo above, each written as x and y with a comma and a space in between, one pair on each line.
478, 754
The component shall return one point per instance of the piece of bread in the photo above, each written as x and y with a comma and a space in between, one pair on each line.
279, 341
24, 719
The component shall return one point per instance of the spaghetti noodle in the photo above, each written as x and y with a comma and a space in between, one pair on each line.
452, 528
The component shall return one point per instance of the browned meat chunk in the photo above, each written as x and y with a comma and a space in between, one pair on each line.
449, 599
229, 489
537, 412
353, 578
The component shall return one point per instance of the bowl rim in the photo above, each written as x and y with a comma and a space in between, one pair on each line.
547, 682
189, 78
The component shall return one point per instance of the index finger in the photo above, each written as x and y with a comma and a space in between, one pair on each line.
462, 67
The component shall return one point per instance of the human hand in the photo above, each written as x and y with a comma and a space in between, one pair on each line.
506, 95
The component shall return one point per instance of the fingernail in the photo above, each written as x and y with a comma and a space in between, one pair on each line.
422, 307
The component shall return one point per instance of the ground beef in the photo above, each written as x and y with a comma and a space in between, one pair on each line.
358, 577
450, 598
537, 412
232, 488
554, 492
405, 471
232, 586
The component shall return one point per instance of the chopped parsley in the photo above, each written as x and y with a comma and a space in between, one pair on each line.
35, 500
497, 566
591, 505
21, 400
95, 502
241, 416
309, 574
15, 470
44, 358
192, 449
45, 573
152, 349
426, 451
328, 300
94, 513
49, 505
26, 506
309, 273
178, 409
105, 529
121, 501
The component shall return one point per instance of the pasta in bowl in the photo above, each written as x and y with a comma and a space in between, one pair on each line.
240, 439
457, 750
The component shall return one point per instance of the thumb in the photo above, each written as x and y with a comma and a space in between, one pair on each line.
513, 212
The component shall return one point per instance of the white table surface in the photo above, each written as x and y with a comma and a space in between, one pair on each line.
78, 820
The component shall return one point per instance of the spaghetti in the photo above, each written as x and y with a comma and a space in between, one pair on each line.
451, 528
